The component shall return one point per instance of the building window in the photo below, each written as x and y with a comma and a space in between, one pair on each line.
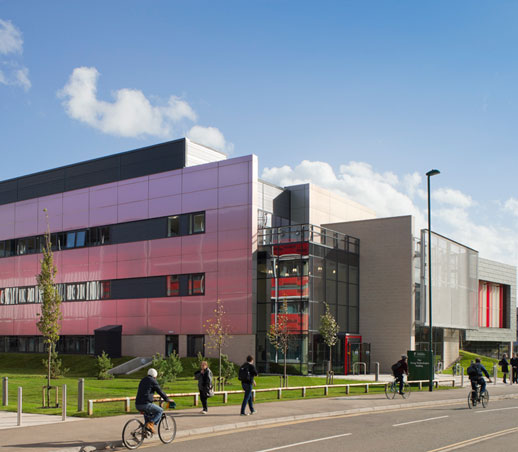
197, 284
171, 344
195, 345
106, 289
173, 226
197, 223
173, 286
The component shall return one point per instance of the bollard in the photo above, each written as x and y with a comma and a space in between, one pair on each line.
90, 407
5, 391
64, 403
127, 405
81, 394
462, 377
377, 371
495, 373
19, 410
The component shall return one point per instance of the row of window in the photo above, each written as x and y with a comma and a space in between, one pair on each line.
156, 228
192, 284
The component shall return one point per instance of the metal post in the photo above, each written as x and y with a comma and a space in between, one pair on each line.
462, 377
377, 371
253, 395
19, 410
127, 405
495, 373
64, 403
81, 394
90, 407
430, 340
5, 391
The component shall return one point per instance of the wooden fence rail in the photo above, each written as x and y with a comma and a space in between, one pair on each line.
195, 395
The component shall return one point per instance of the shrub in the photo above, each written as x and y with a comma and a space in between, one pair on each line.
103, 365
55, 365
167, 368
196, 364
228, 369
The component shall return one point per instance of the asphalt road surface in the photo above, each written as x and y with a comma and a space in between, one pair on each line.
428, 429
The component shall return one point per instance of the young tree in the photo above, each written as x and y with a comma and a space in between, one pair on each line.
218, 330
279, 334
329, 332
50, 316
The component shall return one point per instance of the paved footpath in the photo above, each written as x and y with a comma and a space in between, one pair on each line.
105, 433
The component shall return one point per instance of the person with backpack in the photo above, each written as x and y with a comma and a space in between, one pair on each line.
204, 377
399, 369
505, 366
514, 367
476, 372
247, 373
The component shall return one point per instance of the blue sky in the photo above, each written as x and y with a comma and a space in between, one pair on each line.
360, 97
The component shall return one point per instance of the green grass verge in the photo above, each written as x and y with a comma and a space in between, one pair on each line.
26, 370
467, 357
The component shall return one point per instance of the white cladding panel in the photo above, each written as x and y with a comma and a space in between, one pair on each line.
197, 154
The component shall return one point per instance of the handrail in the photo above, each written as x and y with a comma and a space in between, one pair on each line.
279, 391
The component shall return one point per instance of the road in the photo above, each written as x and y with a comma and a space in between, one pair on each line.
427, 429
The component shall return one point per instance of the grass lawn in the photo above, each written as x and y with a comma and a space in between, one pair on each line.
467, 357
26, 370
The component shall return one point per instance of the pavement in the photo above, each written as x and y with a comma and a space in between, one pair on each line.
79, 434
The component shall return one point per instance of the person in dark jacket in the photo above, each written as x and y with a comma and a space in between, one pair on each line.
505, 366
400, 371
477, 377
145, 396
514, 366
204, 377
247, 385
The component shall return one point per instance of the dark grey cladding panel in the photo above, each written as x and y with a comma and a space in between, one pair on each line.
8, 191
141, 162
154, 287
139, 230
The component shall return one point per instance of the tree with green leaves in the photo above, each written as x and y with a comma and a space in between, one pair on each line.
279, 334
49, 322
329, 329
218, 330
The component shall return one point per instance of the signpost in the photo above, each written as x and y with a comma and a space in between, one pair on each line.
418, 365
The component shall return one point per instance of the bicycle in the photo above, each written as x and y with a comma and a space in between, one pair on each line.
392, 389
475, 396
135, 432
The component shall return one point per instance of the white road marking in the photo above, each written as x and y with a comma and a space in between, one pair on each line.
499, 409
470, 442
421, 420
304, 442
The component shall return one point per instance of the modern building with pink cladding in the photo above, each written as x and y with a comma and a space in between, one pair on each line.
146, 241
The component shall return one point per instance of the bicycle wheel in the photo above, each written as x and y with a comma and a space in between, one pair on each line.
167, 428
133, 434
470, 400
406, 390
390, 390
484, 398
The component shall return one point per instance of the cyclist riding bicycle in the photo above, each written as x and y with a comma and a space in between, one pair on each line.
476, 372
400, 369
145, 396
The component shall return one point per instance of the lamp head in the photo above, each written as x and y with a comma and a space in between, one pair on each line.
433, 172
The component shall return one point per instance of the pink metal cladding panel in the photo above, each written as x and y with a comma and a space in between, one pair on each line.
133, 192
133, 211
26, 268
200, 179
223, 252
168, 205
26, 218
54, 214
169, 185
234, 174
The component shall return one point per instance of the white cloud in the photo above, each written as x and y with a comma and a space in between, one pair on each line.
511, 205
132, 114
11, 42
211, 137
452, 197
10, 38
389, 195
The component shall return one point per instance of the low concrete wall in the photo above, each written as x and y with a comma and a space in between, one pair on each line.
143, 345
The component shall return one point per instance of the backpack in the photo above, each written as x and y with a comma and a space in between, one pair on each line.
244, 373
395, 367
472, 371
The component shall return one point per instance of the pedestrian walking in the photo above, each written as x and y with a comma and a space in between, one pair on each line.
204, 377
247, 374
514, 368
505, 366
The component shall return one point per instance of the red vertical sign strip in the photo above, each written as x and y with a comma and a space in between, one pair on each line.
488, 306
501, 306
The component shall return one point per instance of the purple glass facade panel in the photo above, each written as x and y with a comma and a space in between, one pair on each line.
223, 190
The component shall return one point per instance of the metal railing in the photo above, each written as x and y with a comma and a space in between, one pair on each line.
224, 394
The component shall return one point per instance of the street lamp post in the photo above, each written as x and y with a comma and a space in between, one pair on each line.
430, 342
